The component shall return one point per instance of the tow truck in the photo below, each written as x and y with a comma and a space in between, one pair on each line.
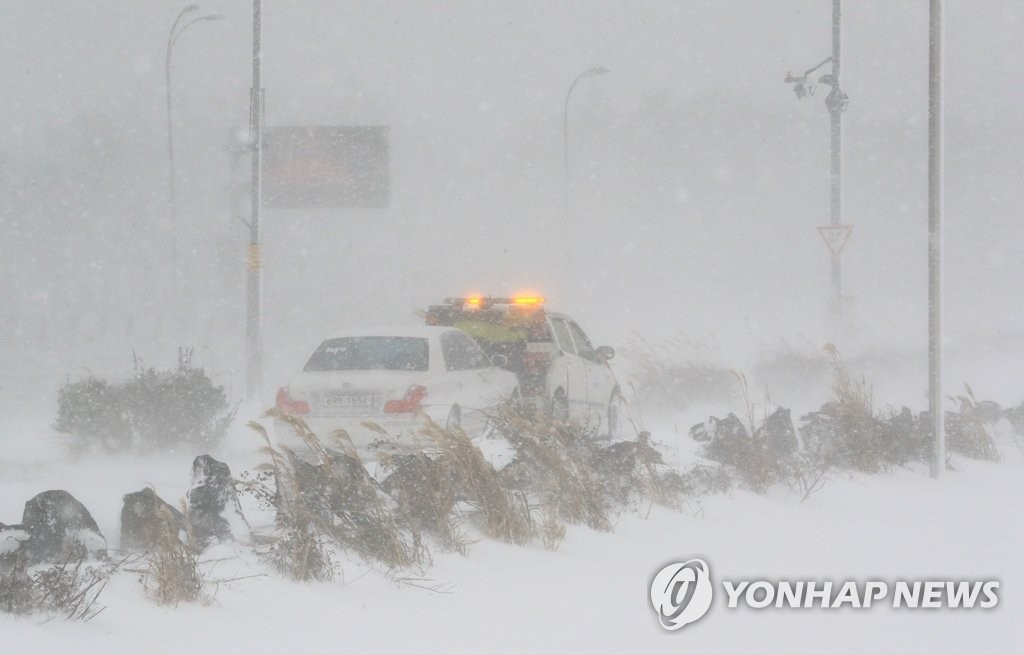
558, 369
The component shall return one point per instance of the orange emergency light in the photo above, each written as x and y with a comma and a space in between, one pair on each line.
528, 300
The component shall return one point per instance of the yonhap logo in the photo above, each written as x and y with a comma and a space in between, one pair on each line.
681, 593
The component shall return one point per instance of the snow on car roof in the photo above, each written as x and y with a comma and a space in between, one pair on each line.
421, 331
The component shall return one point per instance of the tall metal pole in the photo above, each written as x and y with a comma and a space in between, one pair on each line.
935, 139
835, 107
836, 103
253, 328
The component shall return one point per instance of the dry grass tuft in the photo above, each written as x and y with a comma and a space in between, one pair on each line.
857, 435
426, 490
660, 486
172, 575
967, 430
327, 496
297, 548
556, 464
552, 532
70, 590
503, 516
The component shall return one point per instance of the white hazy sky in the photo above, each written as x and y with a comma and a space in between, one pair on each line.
697, 178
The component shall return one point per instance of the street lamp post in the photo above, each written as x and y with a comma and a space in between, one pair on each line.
590, 72
172, 38
836, 103
935, 176
254, 277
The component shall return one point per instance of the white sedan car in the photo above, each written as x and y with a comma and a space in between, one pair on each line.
394, 377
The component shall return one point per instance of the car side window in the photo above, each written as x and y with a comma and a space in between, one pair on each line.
562, 336
461, 353
583, 346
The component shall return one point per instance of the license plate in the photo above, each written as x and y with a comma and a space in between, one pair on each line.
347, 402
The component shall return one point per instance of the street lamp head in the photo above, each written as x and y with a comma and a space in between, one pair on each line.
213, 17
598, 70
189, 8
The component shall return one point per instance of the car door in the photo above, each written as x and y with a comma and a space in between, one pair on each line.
599, 379
475, 384
567, 371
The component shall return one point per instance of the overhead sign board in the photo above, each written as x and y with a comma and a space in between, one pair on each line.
324, 167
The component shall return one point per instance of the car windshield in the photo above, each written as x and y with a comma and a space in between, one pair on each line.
370, 354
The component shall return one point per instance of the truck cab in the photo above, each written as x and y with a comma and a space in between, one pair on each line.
559, 370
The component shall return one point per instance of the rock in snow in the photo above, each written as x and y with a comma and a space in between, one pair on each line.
147, 521
779, 432
59, 527
214, 510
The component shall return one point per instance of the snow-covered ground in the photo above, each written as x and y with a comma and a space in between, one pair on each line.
591, 595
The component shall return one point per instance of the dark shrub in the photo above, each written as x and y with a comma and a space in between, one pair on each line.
904, 437
155, 410
760, 460
93, 410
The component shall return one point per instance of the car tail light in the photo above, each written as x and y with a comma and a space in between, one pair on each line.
412, 401
289, 406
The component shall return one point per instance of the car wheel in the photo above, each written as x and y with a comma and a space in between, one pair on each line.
560, 407
454, 419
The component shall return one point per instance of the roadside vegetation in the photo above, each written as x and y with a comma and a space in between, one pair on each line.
154, 410
442, 492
